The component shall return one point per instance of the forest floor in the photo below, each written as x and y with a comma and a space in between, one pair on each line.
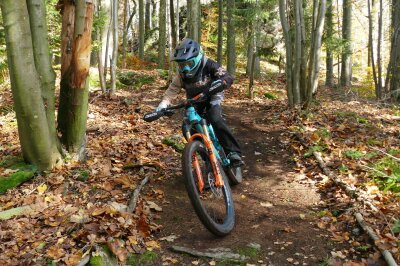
287, 211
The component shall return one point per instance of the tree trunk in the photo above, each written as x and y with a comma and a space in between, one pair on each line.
313, 72
193, 19
142, 31
394, 66
124, 34
102, 77
106, 47
297, 96
162, 41
177, 22
32, 80
147, 19
250, 48
76, 45
378, 89
172, 23
230, 42
288, 47
345, 79
371, 44
114, 58
329, 39
220, 31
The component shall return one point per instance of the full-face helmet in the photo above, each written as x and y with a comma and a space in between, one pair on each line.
188, 54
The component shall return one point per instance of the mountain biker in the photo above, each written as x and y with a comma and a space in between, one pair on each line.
199, 74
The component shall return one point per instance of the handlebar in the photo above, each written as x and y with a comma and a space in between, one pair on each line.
152, 116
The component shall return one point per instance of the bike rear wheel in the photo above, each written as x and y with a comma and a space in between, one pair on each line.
213, 205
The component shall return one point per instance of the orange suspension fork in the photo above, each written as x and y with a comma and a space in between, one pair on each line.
213, 159
196, 166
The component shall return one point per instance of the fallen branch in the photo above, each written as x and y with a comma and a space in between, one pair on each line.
135, 195
219, 254
385, 253
85, 260
387, 154
353, 192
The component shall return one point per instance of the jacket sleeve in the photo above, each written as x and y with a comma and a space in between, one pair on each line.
219, 72
173, 89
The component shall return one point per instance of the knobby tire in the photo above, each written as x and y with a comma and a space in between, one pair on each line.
218, 218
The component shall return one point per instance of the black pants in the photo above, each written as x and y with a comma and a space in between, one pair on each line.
213, 114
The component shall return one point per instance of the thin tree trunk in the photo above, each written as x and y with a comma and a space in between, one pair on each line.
162, 41
394, 66
76, 46
230, 43
193, 19
147, 19
371, 46
319, 11
100, 63
297, 98
177, 22
347, 51
105, 37
329, 39
220, 31
141, 29
114, 58
28, 73
378, 89
250, 48
288, 46
124, 34
172, 23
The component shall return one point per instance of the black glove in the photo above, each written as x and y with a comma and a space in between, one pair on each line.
215, 87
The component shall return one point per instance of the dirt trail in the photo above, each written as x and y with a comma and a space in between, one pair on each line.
273, 209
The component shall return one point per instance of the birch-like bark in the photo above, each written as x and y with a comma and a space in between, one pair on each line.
114, 58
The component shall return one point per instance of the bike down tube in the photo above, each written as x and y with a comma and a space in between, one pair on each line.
219, 182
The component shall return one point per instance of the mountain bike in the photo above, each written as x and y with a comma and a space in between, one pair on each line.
206, 169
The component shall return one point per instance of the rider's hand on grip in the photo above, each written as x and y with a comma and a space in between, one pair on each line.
152, 116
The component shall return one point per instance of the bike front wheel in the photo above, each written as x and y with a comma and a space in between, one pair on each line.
213, 205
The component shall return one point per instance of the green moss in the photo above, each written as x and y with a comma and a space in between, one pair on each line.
147, 258
271, 96
14, 180
96, 261
23, 172
134, 79
249, 252
174, 142
353, 154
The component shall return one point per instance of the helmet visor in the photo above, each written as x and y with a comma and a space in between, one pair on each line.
186, 65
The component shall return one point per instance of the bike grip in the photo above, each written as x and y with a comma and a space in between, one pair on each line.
150, 117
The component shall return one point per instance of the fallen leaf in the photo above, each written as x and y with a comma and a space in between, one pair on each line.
170, 238
266, 204
154, 206
117, 247
152, 244
42, 188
